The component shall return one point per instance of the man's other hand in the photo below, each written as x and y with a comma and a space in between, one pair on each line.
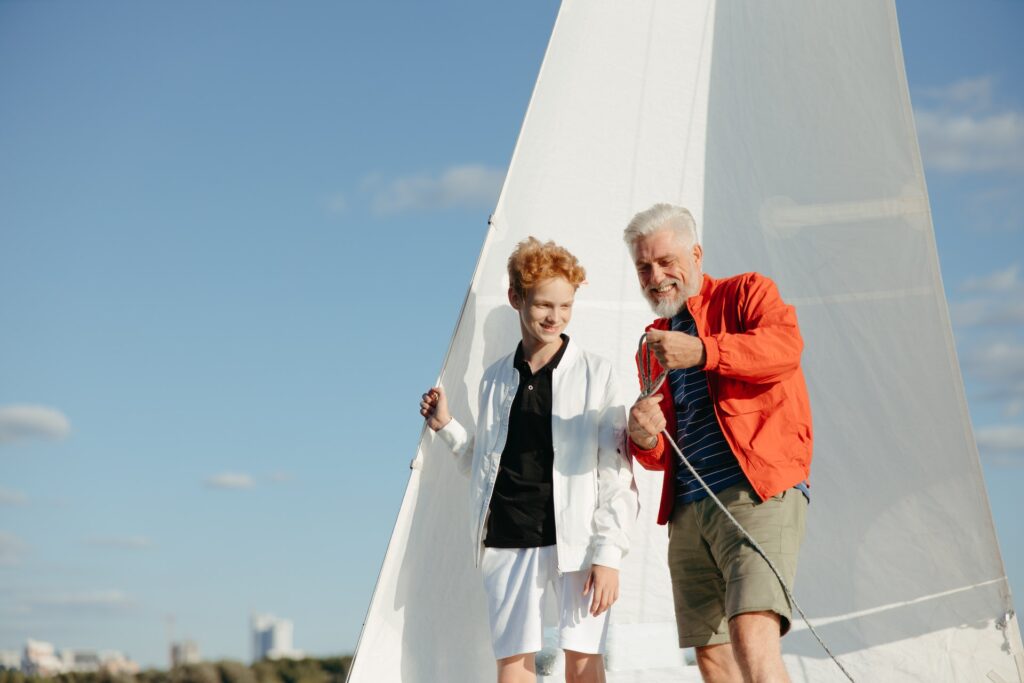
646, 421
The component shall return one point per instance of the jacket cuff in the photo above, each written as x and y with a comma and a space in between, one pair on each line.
453, 434
711, 352
608, 555
653, 452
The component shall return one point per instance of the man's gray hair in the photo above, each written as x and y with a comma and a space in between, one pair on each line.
661, 217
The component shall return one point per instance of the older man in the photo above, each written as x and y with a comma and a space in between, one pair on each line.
736, 404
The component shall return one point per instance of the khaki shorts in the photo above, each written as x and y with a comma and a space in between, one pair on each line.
717, 574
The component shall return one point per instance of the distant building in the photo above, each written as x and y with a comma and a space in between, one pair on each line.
272, 638
43, 659
40, 659
10, 660
80, 661
114, 662
185, 652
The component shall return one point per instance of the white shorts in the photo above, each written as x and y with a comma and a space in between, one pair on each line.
516, 581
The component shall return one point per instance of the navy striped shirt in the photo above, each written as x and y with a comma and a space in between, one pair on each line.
698, 433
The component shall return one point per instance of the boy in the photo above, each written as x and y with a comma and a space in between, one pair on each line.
552, 493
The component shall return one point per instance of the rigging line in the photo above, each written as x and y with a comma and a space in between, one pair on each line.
649, 387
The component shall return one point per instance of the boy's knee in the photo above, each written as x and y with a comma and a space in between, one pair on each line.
583, 667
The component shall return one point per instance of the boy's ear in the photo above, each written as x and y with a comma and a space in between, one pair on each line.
514, 299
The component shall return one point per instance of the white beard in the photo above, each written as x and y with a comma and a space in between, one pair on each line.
666, 308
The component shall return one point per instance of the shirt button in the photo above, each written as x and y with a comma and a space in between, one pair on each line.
530, 387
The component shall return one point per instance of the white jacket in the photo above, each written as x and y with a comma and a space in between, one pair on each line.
594, 492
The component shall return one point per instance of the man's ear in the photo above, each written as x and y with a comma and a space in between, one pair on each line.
514, 299
698, 254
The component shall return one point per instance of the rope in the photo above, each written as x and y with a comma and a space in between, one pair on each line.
648, 387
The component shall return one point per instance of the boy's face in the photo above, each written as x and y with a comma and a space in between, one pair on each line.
545, 310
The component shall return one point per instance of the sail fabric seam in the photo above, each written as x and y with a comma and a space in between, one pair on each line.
825, 621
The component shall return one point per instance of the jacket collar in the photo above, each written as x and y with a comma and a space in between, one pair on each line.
570, 354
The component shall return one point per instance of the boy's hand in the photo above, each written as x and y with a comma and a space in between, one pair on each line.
604, 582
434, 407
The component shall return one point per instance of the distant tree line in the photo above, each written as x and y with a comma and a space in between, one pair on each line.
329, 670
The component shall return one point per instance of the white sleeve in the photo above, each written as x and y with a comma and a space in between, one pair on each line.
618, 503
460, 442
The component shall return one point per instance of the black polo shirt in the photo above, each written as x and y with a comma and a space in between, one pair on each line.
522, 505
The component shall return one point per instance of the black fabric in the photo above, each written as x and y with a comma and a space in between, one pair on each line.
522, 505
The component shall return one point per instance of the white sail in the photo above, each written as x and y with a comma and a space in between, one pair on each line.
786, 128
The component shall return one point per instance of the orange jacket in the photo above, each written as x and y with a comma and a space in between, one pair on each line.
753, 350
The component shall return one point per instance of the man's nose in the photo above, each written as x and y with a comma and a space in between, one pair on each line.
656, 274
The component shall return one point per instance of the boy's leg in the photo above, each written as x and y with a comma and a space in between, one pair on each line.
517, 669
580, 634
581, 667
514, 581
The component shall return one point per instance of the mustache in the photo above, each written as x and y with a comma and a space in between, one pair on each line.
667, 281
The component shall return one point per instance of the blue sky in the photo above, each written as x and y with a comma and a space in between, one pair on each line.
234, 240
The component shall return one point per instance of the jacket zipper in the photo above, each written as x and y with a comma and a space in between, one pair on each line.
486, 511
554, 455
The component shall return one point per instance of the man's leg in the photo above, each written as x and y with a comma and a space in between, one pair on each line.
717, 664
698, 590
758, 608
581, 667
757, 647
518, 669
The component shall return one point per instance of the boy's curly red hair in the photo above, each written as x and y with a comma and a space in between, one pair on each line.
533, 262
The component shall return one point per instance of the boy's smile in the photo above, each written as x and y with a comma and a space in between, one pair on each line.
544, 312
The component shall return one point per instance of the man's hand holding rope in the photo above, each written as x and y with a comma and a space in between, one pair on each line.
646, 421
676, 350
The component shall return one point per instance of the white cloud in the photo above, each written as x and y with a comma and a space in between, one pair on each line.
1014, 408
11, 549
22, 422
969, 93
281, 477
88, 601
999, 281
998, 371
999, 361
1003, 440
120, 542
1005, 312
336, 204
9, 497
960, 142
230, 480
960, 130
460, 186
